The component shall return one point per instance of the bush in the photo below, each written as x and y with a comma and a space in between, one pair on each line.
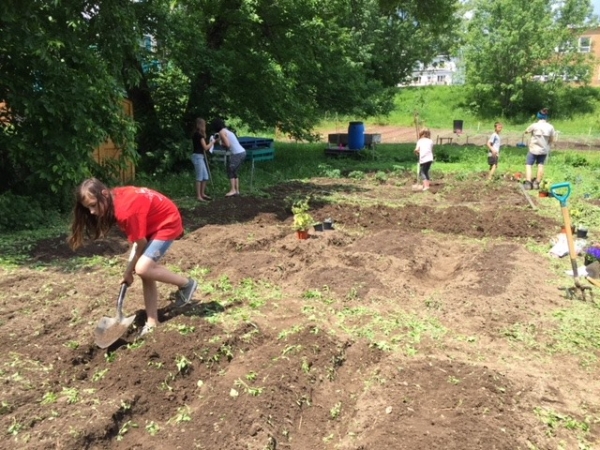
576, 161
356, 175
22, 213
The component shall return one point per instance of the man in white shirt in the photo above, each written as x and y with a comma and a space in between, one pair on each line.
542, 136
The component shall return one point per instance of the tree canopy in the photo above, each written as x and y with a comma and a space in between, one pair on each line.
65, 65
520, 52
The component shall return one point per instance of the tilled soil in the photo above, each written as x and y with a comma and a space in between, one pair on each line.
392, 331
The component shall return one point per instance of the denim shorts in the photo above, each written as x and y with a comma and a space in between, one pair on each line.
493, 160
235, 161
200, 167
156, 249
539, 159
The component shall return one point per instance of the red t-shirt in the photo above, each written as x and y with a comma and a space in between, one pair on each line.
144, 213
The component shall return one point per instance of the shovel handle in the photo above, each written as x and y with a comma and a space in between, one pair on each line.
562, 198
120, 299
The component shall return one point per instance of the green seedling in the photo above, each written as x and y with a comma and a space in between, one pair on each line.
305, 366
125, 406
71, 395
184, 330
5, 408
99, 374
73, 345
136, 344
165, 386
290, 349
48, 398
183, 364
14, 428
152, 428
294, 330
183, 415
335, 412
251, 376
125, 428
110, 357
453, 380
250, 390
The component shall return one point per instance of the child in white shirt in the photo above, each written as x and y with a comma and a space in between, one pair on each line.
424, 149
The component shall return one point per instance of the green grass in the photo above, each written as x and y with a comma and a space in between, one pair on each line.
439, 106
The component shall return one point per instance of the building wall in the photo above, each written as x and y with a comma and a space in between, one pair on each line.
594, 37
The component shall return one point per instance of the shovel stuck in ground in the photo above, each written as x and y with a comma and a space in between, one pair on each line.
110, 329
561, 192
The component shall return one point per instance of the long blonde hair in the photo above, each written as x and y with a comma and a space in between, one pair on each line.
201, 127
84, 222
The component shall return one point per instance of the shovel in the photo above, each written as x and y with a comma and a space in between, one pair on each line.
110, 329
417, 187
562, 198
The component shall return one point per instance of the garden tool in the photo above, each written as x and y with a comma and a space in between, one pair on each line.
110, 329
593, 273
562, 198
417, 186
208, 169
522, 143
527, 196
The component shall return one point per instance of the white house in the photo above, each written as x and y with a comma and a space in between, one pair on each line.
441, 71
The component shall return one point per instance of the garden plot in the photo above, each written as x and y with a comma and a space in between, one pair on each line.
422, 321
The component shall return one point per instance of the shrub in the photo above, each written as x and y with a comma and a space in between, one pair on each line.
22, 213
356, 175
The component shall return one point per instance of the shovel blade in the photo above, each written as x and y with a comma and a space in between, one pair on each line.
109, 330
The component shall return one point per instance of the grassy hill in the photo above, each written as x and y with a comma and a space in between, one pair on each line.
438, 106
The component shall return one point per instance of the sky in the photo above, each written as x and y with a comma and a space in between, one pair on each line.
596, 4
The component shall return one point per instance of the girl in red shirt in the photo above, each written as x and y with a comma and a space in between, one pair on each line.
150, 220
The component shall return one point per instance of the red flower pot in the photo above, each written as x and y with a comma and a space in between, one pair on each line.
302, 234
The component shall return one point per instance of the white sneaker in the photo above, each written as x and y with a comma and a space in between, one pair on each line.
146, 330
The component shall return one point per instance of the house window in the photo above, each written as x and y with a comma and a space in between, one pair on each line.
585, 44
441, 78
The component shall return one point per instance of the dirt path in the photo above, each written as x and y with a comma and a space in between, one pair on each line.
403, 135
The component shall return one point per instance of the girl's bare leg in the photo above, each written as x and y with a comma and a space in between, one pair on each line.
151, 272
151, 301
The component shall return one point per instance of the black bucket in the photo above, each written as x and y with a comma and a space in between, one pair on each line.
458, 126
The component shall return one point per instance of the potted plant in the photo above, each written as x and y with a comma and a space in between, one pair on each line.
302, 219
544, 190
592, 254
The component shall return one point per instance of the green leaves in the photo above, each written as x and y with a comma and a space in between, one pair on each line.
512, 47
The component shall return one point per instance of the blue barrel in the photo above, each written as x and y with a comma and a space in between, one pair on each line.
356, 136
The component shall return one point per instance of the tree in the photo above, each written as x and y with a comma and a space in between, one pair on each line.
65, 65
514, 45
61, 81
290, 63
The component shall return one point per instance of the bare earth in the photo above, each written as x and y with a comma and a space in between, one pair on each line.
406, 327
402, 135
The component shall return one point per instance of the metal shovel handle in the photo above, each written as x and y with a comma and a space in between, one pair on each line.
120, 299
124, 286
